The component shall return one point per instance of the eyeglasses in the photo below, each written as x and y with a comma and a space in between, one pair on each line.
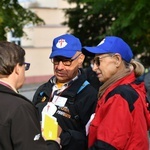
97, 59
27, 66
66, 62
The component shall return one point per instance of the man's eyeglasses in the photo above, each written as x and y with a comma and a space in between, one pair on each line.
66, 62
27, 66
97, 59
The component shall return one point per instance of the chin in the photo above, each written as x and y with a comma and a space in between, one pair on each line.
101, 80
61, 79
19, 86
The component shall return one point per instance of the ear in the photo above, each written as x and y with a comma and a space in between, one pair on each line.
17, 69
81, 59
118, 59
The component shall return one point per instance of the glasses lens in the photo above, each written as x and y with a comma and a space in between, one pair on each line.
55, 61
66, 62
27, 66
96, 61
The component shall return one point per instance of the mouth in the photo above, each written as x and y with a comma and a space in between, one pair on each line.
60, 74
99, 74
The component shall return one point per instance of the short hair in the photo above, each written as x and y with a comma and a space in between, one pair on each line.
10, 55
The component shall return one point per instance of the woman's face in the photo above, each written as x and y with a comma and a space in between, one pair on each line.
105, 66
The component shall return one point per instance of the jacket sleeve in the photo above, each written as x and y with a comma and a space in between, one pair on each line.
73, 140
25, 129
52, 145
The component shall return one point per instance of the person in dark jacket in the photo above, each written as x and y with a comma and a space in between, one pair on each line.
92, 76
73, 98
121, 120
147, 83
19, 121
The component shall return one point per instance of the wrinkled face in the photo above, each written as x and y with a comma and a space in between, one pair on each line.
106, 65
65, 69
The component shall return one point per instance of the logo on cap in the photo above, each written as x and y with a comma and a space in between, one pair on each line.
61, 43
101, 42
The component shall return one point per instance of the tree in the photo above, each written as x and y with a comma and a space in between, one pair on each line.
13, 17
92, 20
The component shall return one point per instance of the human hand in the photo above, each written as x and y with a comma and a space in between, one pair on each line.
59, 130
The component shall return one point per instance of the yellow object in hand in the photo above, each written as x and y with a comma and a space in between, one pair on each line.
49, 127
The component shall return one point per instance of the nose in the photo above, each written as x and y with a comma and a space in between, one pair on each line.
60, 65
95, 67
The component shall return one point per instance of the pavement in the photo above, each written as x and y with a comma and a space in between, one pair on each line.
28, 90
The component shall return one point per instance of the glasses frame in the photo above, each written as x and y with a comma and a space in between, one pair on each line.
26, 65
66, 62
97, 59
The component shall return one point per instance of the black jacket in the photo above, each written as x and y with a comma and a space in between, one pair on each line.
92, 78
81, 104
19, 125
147, 84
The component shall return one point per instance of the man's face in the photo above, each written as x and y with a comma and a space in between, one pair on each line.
65, 69
21, 76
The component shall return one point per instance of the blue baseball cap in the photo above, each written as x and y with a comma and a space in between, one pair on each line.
65, 45
111, 44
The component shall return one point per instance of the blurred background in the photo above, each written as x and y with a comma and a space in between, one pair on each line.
34, 23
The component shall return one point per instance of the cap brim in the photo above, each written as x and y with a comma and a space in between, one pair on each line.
92, 51
68, 54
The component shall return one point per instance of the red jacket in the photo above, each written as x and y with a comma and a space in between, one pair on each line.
120, 122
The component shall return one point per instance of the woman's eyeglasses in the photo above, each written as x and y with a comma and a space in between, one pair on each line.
97, 59
27, 66
66, 62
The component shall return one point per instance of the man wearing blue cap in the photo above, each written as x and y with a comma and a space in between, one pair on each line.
120, 121
67, 95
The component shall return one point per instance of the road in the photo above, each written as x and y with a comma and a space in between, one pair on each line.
28, 90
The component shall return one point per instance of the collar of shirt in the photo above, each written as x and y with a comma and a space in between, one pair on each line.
8, 85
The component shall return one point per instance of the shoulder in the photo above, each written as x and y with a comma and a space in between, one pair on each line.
21, 101
42, 90
45, 87
88, 92
15, 104
90, 89
14, 98
128, 93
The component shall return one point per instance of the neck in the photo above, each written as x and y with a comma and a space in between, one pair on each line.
7, 84
59, 84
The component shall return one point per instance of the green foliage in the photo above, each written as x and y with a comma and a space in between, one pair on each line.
13, 17
91, 20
